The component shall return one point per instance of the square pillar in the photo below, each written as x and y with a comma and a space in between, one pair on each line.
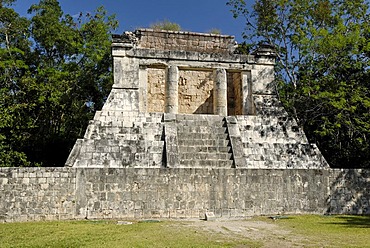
247, 87
172, 90
220, 92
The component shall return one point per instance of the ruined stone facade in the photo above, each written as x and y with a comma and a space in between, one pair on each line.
186, 100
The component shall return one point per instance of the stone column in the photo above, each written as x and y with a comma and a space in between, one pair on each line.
247, 86
172, 90
220, 92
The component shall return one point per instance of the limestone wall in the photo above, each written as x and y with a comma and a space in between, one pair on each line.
195, 92
184, 41
156, 90
28, 194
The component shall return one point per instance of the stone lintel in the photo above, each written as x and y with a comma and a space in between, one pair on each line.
188, 55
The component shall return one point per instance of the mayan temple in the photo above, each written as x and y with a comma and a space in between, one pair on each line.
190, 130
187, 100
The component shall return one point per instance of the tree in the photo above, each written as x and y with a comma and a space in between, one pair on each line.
13, 70
60, 73
322, 69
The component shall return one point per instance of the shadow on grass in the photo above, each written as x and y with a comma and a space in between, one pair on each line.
353, 221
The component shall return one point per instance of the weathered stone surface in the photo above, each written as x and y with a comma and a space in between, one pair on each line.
35, 194
209, 216
28, 194
156, 90
184, 41
117, 139
195, 92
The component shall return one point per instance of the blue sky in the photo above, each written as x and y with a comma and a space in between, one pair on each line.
192, 15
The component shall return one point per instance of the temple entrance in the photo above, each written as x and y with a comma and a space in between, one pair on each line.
234, 93
194, 92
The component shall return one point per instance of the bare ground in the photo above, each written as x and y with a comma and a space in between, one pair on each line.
268, 234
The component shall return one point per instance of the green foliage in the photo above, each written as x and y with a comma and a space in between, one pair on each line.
322, 68
243, 48
166, 25
54, 72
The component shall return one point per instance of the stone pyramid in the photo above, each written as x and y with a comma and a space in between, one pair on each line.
187, 100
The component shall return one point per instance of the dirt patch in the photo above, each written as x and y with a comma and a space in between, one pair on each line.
268, 234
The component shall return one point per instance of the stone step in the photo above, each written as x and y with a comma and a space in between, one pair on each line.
209, 149
206, 163
274, 146
202, 122
204, 156
282, 164
202, 136
203, 142
191, 117
202, 129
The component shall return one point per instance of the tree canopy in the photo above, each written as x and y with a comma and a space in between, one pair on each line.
322, 71
55, 71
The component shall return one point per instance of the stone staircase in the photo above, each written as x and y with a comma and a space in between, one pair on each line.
203, 142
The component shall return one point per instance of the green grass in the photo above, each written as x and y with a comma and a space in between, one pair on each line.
309, 230
108, 234
329, 231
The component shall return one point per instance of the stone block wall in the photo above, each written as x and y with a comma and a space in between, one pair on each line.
28, 194
33, 194
120, 139
184, 41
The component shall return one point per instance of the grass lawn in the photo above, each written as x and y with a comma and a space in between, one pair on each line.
109, 234
317, 231
330, 231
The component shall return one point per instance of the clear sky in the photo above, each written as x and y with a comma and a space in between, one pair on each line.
192, 15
